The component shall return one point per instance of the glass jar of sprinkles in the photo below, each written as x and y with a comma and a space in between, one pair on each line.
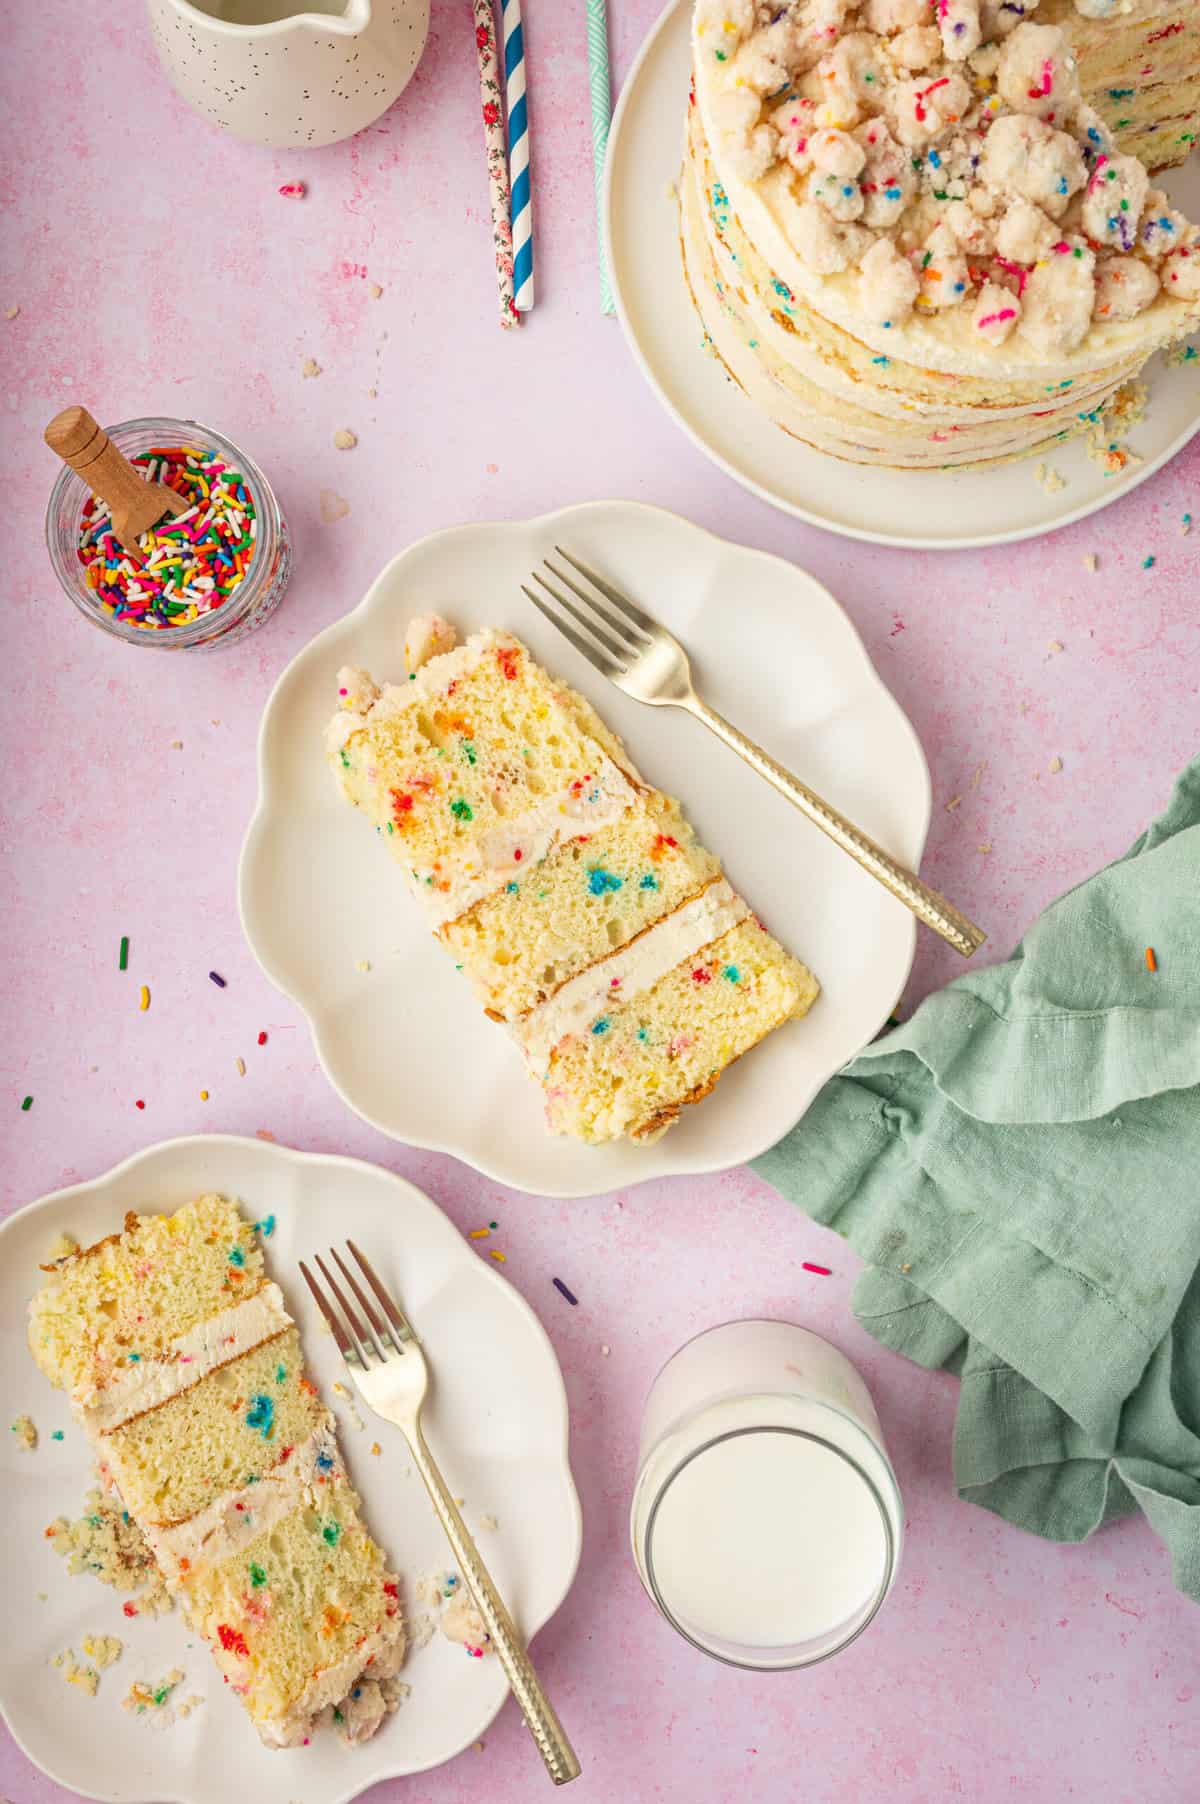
209, 576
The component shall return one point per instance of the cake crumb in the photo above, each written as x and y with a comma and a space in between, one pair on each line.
605, 1351
1054, 766
177, 745
333, 506
102, 1650
953, 803
84, 1678
376, 1449
11, 312
106, 1542
310, 367
142, 1699
984, 846
1054, 646
375, 291
61, 1247
1049, 479
26, 1432
344, 439
1185, 526
364, 964
240, 1066
1091, 562
488, 1522
372, 394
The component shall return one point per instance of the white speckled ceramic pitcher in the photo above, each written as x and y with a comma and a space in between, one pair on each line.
291, 76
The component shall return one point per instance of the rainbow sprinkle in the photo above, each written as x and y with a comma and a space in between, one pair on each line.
189, 565
568, 1294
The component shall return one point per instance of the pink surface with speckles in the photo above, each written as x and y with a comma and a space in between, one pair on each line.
157, 270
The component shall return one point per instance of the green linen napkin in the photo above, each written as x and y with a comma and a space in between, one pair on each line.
1019, 1165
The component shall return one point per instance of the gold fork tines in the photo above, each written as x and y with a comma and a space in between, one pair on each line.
387, 1363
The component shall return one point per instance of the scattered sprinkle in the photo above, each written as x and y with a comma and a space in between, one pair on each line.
204, 1096
241, 1067
143, 998
143, 1698
494, 1253
294, 190
493, 1225
1151, 959
822, 1271
265, 1227
1185, 525
57, 1435
26, 1105
262, 1039
479, 1234
376, 1449
139, 1104
1148, 563
344, 439
123, 954
568, 1294
215, 977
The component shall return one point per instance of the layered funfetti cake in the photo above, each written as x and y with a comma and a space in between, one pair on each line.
576, 898
1139, 66
911, 237
185, 1369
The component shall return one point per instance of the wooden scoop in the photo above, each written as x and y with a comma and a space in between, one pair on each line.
136, 505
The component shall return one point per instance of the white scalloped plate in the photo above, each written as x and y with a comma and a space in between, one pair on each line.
405, 1044
497, 1421
944, 510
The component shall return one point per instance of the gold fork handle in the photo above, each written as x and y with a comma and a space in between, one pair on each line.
553, 1746
925, 903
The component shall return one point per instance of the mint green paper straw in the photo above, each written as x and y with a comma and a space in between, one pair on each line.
601, 86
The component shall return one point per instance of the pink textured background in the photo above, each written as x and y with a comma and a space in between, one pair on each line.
1004, 1668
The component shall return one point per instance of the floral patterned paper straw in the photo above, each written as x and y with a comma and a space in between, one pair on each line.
491, 95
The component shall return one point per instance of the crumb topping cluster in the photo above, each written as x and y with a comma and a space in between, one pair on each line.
943, 149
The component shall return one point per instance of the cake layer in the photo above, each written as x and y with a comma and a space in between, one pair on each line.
636, 1065
299, 1612
124, 1303
554, 928
218, 1435
476, 780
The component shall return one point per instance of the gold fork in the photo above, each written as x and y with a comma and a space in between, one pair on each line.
385, 1360
630, 648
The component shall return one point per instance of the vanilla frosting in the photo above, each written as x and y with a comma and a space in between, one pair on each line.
628, 972
133, 1389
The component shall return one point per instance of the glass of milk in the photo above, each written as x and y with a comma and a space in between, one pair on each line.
766, 1517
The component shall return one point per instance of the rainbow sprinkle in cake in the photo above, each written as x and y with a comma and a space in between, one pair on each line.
576, 897
186, 1371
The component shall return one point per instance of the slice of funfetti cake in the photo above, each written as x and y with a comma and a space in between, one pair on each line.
575, 896
186, 1370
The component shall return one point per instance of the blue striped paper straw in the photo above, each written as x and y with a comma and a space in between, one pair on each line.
600, 82
518, 154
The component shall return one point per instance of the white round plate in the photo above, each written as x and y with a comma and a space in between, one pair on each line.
936, 510
497, 1421
405, 1043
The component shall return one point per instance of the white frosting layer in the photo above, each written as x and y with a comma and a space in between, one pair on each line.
631, 971
510, 850
133, 1389
232, 1520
